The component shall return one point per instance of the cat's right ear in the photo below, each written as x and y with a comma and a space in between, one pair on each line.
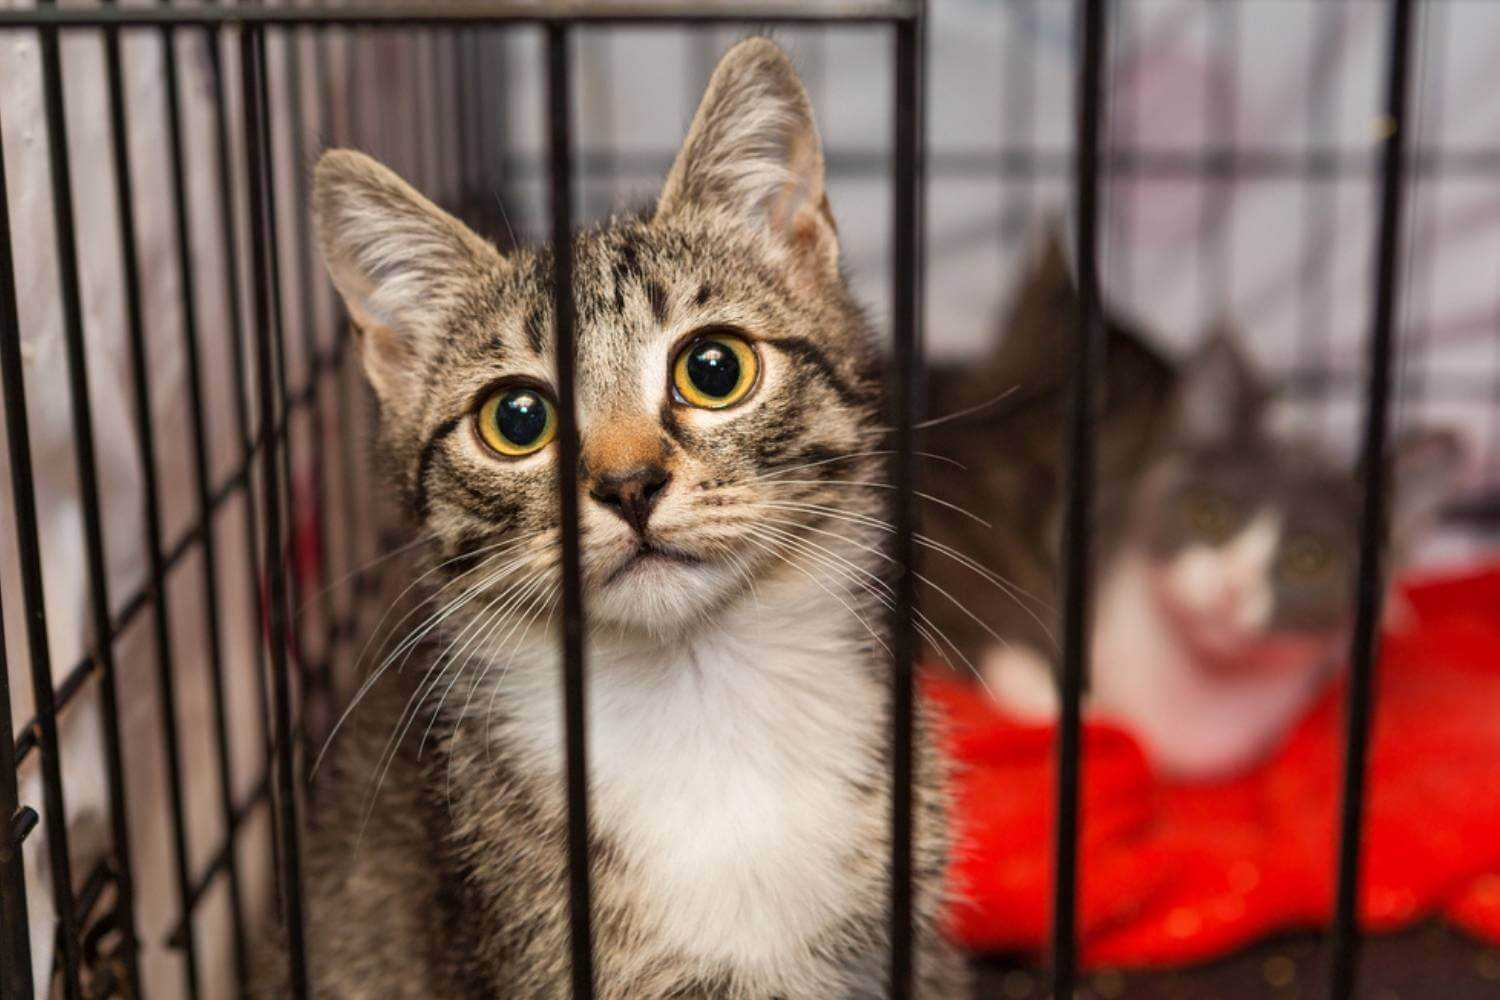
753, 155
401, 264
1220, 399
1046, 297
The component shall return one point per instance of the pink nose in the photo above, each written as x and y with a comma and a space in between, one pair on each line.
1223, 599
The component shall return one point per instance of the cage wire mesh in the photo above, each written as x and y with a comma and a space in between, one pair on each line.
197, 553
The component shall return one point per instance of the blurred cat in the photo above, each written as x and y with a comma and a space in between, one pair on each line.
1224, 552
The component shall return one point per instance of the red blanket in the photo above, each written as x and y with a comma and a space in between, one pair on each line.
1174, 873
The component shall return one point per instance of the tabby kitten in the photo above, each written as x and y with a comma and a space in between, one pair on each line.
729, 404
1225, 551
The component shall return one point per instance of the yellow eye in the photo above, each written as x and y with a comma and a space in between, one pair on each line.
1210, 514
517, 421
1306, 558
715, 371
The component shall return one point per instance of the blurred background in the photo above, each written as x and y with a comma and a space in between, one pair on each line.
1242, 175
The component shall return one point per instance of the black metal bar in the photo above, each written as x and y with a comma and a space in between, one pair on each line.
224, 163
343, 414
907, 384
73, 681
1367, 592
257, 183
187, 271
559, 117
297, 127
15, 945
278, 355
22, 496
22, 824
1320, 164
343, 403
1077, 542
15, 958
119, 128
408, 16
15, 951
222, 862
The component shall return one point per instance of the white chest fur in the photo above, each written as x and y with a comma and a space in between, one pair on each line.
725, 768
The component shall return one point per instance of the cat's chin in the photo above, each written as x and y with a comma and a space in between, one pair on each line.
661, 593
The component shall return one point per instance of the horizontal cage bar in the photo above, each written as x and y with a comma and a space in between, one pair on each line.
473, 14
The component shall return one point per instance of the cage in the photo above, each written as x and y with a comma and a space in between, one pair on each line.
199, 541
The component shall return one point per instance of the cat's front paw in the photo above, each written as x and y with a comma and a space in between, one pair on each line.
1021, 681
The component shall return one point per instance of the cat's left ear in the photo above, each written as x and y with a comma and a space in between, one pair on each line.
754, 157
1425, 467
1220, 399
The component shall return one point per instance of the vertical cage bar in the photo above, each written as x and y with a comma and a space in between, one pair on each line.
351, 510
342, 404
145, 433
559, 115
1367, 593
319, 675
907, 400
257, 167
15, 937
282, 419
1080, 497
223, 157
83, 431
203, 493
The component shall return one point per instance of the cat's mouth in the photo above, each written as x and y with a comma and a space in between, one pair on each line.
649, 552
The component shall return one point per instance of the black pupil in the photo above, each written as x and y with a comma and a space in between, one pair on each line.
522, 416
714, 368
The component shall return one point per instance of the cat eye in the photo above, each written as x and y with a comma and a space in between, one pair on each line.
1209, 514
517, 421
1305, 557
715, 371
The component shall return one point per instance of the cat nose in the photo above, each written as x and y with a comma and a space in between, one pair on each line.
632, 495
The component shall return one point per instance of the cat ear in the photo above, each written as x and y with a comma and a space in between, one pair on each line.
1046, 298
1219, 397
753, 153
1425, 469
1034, 339
401, 263
1046, 286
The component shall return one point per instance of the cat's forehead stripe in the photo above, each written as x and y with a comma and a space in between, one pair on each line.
425, 458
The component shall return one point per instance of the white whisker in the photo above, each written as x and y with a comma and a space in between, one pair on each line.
888, 486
